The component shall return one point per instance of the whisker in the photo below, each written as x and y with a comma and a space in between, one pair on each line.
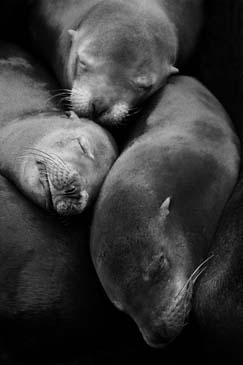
49, 161
57, 90
185, 294
49, 156
59, 94
65, 100
63, 93
66, 97
46, 158
196, 273
134, 111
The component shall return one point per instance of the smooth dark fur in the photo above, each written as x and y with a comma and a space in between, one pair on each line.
219, 297
160, 204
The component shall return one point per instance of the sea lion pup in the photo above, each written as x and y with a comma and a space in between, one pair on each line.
159, 206
58, 161
111, 55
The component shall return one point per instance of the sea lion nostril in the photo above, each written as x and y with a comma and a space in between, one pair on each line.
99, 107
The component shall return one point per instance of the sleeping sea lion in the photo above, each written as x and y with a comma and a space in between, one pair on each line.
111, 55
218, 297
58, 161
159, 206
218, 305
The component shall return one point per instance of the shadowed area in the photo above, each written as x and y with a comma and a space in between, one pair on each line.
51, 303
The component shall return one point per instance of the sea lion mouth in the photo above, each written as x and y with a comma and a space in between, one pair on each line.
62, 184
100, 109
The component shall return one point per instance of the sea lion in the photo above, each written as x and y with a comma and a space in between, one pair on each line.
218, 304
51, 304
159, 206
112, 55
58, 161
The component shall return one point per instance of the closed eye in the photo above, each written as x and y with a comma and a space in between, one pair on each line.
84, 62
71, 190
142, 87
144, 83
83, 65
83, 149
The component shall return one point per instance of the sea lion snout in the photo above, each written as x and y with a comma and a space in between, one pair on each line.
161, 322
64, 189
99, 106
69, 206
67, 191
101, 102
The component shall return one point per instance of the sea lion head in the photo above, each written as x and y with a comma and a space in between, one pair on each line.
66, 168
117, 60
147, 270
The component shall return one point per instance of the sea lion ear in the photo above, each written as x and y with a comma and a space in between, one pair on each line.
72, 33
173, 70
86, 147
164, 208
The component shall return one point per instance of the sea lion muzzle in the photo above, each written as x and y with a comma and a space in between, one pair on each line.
66, 187
174, 318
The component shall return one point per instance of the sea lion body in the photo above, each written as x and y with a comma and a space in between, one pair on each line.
218, 304
58, 161
112, 55
51, 304
159, 206
45, 277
